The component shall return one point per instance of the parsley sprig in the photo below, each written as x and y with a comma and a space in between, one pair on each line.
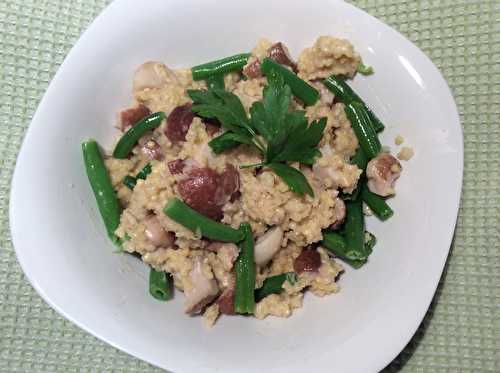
279, 134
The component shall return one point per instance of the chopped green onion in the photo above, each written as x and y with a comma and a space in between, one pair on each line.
274, 285
364, 69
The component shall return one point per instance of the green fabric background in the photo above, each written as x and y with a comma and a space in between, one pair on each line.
461, 330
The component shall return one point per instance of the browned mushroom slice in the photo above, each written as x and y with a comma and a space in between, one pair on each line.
382, 172
203, 290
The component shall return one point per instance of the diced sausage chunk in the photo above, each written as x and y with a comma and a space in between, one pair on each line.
156, 234
230, 180
176, 166
178, 123
382, 172
309, 260
252, 70
131, 116
202, 291
279, 53
268, 245
201, 189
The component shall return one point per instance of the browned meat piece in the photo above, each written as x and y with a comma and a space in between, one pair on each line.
279, 52
176, 166
309, 260
382, 172
156, 234
211, 125
226, 301
131, 116
178, 123
230, 180
202, 190
252, 70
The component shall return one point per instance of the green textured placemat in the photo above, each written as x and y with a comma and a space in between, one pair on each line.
461, 330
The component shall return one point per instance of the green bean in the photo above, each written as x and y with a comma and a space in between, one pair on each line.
345, 94
376, 203
336, 243
274, 285
244, 297
107, 202
354, 230
130, 138
360, 122
359, 159
196, 222
222, 66
302, 90
160, 285
215, 81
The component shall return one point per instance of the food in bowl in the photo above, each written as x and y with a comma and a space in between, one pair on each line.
242, 181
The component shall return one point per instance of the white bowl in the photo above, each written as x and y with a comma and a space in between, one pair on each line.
61, 243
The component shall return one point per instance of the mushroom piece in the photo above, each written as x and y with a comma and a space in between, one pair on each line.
382, 172
156, 234
339, 213
268, 245
203, 289
151, 75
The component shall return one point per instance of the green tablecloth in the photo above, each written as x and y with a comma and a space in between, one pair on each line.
461, 330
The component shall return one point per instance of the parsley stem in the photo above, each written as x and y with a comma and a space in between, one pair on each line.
262, 164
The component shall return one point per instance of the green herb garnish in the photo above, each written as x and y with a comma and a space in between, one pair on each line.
279, 134
364, 69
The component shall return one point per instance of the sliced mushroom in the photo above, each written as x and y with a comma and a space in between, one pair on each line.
156, 234
268, 245
382, 172
152, 75
203, 289
339, 213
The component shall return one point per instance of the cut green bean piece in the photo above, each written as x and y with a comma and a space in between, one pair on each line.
215, 81
200, 224
359, 159
218, 67
244, 297
345, 94
160, 285
376, 203
130, 138
336, 244
302, 90
105, 196
274, 285
360, 122
354, 230
364, 69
